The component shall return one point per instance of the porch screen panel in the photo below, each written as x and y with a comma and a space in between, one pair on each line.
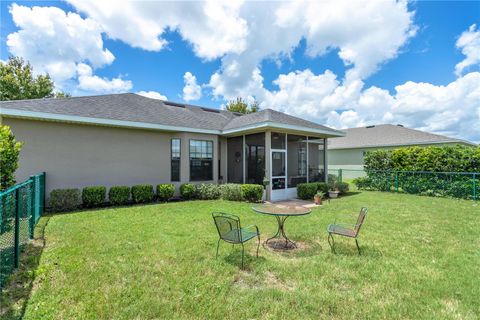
316, 159
255, 158
297, 160
235, 159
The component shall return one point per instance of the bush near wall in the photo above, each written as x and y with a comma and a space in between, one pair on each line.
306, 191
165, 191
231, 192
207, 191
93, 196
142, 193
187, 191
342, 187
119, 195
64, 200
252, 192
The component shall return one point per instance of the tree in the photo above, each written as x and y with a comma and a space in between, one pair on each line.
17, 82
9, 154
240, 105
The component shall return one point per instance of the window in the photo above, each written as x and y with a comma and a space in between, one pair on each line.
201, 160
175, 160
297, 160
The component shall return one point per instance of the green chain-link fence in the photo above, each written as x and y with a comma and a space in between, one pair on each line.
465, 185
20, 208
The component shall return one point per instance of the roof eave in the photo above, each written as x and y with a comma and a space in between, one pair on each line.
276, 125
22, 114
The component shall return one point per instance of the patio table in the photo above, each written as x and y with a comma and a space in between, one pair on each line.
281, 213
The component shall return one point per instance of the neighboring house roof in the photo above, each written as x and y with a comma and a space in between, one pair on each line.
388, 135
132, 110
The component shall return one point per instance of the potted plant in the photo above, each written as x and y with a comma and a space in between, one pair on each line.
333, 192
318, 197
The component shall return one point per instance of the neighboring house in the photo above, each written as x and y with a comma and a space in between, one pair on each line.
347, 152
127, 139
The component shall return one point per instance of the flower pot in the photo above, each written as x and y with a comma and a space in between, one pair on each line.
333, 194
318, 200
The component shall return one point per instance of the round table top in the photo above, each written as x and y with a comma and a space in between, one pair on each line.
281, 210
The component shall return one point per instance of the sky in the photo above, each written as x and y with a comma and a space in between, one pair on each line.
339, 63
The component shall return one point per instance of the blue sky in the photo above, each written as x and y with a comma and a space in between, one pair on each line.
350, 79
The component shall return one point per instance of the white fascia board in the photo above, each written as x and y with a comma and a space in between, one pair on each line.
99, 121
276, 125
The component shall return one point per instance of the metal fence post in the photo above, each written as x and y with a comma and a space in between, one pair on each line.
16, 256
33, 206
340, 175
474, 187
396, 181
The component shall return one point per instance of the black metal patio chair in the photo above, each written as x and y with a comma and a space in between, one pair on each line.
230, 230
347, 230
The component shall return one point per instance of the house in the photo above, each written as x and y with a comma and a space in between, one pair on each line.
347, 152
128, 139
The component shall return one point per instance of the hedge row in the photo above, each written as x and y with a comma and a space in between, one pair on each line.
95, 196
416, 170
230, 191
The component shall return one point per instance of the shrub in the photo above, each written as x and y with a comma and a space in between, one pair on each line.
142, 193
321, 186
64, 200
165, 191
207, 191
9, 154
119, 195
252, 192
306, 191
362, 183
231, 192
187, 191
342, 187
94, 196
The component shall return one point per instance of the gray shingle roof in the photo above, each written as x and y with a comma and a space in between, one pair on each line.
133, 107
127, 107
387, 135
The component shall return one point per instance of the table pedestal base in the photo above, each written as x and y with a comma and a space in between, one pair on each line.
280, 239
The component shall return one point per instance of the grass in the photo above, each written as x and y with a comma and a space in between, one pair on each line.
420, 260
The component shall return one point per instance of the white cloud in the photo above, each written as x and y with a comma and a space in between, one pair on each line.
469, 43
452, 110
92, 83
365, 33
213, 28
243, 34
153, 95
191, 90
66, 46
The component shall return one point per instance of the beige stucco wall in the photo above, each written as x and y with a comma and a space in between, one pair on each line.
74, 155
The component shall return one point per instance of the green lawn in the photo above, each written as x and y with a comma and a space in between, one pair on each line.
421, 260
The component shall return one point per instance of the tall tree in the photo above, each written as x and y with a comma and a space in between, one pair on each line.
240, 105
17, 82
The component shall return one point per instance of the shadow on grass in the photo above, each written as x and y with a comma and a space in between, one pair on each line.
14, 296
233, 256
349, 249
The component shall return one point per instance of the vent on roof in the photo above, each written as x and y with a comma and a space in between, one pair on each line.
211, 110
368, 127
400, 125
174, 104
